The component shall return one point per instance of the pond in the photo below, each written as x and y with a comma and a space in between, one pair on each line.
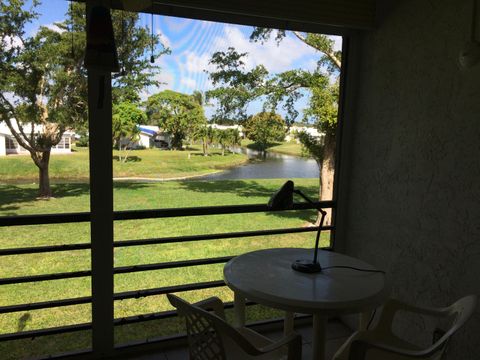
268, 166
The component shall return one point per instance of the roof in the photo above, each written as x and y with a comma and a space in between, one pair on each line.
149, 129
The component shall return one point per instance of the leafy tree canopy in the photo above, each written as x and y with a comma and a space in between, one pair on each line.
265, 128
125, 130
177, 113
43, 80
236, 87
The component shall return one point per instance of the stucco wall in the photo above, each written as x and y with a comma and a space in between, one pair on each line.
414, 163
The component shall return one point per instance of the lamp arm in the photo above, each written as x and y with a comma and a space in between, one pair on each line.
307, 199
322, 219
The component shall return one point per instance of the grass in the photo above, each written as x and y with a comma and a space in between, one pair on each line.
149, 163
288, 148
20, 199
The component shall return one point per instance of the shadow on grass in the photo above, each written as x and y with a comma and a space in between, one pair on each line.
251, 189
12, 196
258, 147
129, 158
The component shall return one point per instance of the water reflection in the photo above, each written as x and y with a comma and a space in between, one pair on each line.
266, 165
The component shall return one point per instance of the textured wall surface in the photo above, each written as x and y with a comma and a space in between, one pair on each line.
414, 188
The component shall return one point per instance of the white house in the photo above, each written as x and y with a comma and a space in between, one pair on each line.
294, 130
8, 144
226, 127
150, 137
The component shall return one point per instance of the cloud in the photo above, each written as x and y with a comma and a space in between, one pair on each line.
337, 42
54, 27
195, 63
164, 39
166, 79
11, 42
289, 54
189, 82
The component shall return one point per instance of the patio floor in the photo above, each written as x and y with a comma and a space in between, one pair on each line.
337, 334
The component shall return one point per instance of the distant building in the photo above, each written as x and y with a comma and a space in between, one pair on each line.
294, 130
10, 146
226, 127
150, 137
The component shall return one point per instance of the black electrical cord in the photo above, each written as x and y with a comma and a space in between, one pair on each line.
371, 319
353, 268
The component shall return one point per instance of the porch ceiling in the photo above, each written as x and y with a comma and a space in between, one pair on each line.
304, 15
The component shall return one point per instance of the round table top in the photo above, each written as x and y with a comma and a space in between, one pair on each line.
266, 277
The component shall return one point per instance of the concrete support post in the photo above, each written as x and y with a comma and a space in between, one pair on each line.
101, 204
101, 208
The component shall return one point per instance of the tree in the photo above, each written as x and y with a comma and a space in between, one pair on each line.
222, 139
207, 135
323, 107
42, 92
237, 87
125, 126
179, 114
43, 82
265, 128
228, 138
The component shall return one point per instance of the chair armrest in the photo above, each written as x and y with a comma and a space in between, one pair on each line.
293, 343
399, 305
359, 349
282, 342
392, 306
212, 303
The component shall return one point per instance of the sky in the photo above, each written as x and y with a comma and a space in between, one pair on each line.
192, 42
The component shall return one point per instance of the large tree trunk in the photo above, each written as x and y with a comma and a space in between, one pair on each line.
44, 190
327, 172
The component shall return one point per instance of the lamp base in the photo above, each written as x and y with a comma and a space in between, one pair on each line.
306, 266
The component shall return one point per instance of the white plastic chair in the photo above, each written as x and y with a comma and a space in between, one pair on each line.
210, 337
381, 344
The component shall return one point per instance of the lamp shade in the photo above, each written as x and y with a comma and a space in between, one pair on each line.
282, 199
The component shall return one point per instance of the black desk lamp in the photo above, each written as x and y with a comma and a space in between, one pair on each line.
282, 199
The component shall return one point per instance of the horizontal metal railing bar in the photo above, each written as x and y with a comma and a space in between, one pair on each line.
164, 240
88, 326
118, 296
211, 210
45, 332
163, 315
171, 264
44, 219
117, 270
188, 238
135, 294
46, 277
44, 249
45, 304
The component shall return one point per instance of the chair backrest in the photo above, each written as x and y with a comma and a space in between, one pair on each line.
205, 342
462, 310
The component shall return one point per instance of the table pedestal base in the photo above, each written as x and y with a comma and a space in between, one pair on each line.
288, 323
319, 337
239, 310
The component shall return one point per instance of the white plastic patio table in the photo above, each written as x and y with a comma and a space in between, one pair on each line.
266, 277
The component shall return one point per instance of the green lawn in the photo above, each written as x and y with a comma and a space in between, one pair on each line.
20, 199
288, 148
149, 163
